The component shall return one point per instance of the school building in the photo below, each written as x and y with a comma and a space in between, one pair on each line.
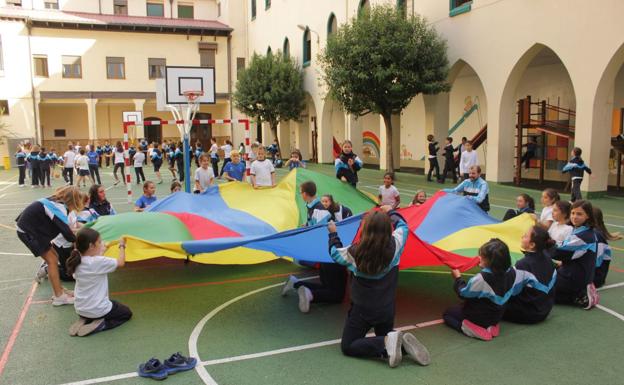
549, 70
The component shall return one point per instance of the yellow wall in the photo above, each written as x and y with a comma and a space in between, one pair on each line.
70, 117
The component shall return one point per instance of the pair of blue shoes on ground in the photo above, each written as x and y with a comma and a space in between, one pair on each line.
160, 370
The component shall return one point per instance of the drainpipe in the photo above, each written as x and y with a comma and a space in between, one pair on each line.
28, 23
171, 9
229, 60
100, 6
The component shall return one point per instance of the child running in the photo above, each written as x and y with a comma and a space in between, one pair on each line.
90, 269
119, 163
94, 164
577, 254
40, 223
262, 171
548, 199
68, 165
560, 228
157, 161
486, 293
139, 159
348, 164
419, 198
524, 204
388, 193
171, 151
82, 164
235, 170
204, 177
603, 251
148, 197
533, 304
374, 263
576, 167
433, 149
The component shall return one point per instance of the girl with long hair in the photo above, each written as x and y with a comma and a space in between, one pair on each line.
603, 251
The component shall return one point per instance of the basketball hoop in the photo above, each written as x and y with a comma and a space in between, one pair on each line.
192, 95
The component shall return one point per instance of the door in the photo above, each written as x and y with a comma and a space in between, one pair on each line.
201, 132
153, 133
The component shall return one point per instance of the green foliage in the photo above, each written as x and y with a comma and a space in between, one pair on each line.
270, 89
382, 59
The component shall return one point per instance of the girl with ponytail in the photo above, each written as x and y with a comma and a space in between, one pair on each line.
90, 268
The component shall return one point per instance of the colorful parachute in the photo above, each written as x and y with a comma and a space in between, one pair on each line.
234, 224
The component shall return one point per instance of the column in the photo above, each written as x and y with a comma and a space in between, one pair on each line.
138, 106
325, 136
501, 132
396, 142
283, 133
354, 133
91, 118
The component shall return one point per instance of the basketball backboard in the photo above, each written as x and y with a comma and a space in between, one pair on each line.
133, 116
181, 79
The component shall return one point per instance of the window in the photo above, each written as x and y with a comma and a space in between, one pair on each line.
207, 53
332, 25
17, 3
155, 9
72, 67
267, 4
4, 107
307, 47
51, 4
40, 64
120, 7
156, 68
286, 48
240, 64
115, 68
253, 9
459, 6
59, 133
185, 11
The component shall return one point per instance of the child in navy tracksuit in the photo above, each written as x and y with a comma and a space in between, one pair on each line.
374, 263
433, 158
348, 164
486, 293
449, 160
603, 251
332, 276
20, 158
534, 304
524, 203
577, 256
576, 167
35, 166
45, 164
179, 159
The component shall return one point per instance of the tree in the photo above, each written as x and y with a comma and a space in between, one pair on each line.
382, 59
271, 90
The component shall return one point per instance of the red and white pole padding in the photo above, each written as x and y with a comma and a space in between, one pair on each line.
127, 161
247, 148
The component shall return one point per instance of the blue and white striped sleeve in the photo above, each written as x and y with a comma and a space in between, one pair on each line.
340, 254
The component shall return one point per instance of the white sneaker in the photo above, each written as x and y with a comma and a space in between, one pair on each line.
42, 273
289, 284
305, 297
63, 299
394, 341
416, 350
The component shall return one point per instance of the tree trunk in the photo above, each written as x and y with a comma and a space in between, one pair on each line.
274, 132
389, 153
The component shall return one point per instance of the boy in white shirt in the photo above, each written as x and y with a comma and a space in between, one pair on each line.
262, 171
388, 193
204, 175
68, 165
139, 159
468, 159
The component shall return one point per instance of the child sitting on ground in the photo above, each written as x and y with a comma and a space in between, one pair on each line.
419, 198
524, 204
348, 164
262, 171
486, 293
295, 160
560, 228
90, 268
548, 199
388, 193
175, 187
148, 197
603, 251
235, 170
374, 263
204, 176
533, 304
98, 201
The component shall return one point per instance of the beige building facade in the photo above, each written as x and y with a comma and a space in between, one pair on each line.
567, 56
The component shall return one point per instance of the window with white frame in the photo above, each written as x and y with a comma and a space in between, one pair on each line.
115, 67
51, 4
40, 66
72, 67
156, 68
120, 7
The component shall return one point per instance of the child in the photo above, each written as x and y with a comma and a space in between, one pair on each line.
295, 160
175, 187
254, 152
548, 199
337, 212
560, 228
172, 160
119, 163
524, 204
467, 160
433, 158
35, 166
139, 159
148, 197
20, 158
577, 254
533, 304
576, 166
45, 163
87, 214
198, 152
419, 198
449, 160
178, 155
69, 159
90, 268
204, 177
348, 164
100, 153
235, 170
388, 194
157, 161
262, 171
108, 153
603, 251
374, 263
485, 294
40, 223
227, 155
98, 201
82, 164
214, 155
94, 165
530, 152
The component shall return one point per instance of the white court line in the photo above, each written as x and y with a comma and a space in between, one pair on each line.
15, 286
17, 280
611, 286
612, 312
5, 253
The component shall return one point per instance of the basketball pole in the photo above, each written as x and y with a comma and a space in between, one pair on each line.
127, 160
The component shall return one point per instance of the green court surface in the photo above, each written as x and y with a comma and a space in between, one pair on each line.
244, 332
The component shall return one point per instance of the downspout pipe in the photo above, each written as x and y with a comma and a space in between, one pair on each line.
32, 83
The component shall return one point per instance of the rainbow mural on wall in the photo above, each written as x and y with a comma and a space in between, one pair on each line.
370, 144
